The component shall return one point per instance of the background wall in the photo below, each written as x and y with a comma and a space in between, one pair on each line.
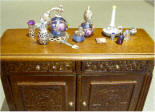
136, 13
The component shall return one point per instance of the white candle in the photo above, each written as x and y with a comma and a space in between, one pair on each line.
113, 16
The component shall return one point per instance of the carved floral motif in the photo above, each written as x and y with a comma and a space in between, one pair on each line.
41, 98
87, 66
39, 66
111, 97
117, 66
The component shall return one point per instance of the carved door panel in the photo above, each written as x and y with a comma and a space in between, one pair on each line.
44, 92
110, 92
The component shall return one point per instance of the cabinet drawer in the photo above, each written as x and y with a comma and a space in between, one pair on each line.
116, 66
66, 66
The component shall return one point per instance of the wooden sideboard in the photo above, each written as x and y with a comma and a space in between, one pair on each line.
94, 77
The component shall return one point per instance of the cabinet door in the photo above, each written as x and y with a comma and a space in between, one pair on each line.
111, 92
44, 92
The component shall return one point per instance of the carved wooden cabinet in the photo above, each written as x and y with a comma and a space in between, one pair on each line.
44, 92
111, 92
42, 85
56, 77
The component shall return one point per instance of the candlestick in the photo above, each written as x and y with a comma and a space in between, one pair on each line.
112, 28
113, 16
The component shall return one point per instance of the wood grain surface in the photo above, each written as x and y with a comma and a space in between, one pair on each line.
15, 43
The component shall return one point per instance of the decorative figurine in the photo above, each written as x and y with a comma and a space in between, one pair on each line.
58, 25
43, 35
79, 35
31, 26
112, 28
120, 39
126, 35
133, 31
87, 25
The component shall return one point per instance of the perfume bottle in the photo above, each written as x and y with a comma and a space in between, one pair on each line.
87, 25
43, 36
31, 27
112, 36
120, 39
126, 35
58, 25
79, 35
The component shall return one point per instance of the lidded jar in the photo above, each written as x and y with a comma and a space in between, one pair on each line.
79, 35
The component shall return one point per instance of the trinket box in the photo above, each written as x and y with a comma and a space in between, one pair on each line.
101, 40
79, 35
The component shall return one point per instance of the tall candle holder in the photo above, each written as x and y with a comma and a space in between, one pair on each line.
112, 28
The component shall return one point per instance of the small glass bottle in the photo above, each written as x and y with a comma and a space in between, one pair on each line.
112, 36
133, 31
126, 35
31, 26
120, 39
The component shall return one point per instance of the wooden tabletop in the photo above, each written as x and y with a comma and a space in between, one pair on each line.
16, 45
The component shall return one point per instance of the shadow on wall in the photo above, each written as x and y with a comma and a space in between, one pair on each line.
151, 2
4, 106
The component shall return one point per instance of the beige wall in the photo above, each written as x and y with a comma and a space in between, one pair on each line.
137, 13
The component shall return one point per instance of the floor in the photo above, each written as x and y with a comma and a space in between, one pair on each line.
136, 13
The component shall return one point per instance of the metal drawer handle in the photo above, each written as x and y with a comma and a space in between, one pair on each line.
117, 67
71, 104
54, 67
37, 67
84, 103
67, 65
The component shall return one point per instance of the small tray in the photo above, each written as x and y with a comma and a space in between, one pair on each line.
101, 40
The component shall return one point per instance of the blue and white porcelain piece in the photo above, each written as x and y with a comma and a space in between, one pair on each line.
88, 29
79, 35
78, 38
58, 24
87, 25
